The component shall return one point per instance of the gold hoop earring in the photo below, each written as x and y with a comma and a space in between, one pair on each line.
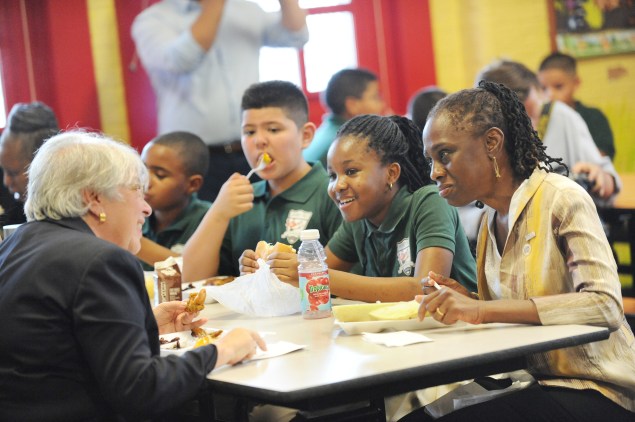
496, 171
102, 217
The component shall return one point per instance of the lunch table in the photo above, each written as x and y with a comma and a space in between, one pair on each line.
335, 368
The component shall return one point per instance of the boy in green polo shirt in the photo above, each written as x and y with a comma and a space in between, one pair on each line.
177, 163
291, 197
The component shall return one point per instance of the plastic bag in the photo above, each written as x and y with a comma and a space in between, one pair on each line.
259, 294
473, 393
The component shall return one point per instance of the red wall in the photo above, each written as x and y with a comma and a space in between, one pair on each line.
61, 58
63, 67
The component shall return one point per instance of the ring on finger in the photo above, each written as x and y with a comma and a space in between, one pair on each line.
438, 311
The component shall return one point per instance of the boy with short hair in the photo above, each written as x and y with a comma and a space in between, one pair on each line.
177, 163
349, 93
291, 197
558, 77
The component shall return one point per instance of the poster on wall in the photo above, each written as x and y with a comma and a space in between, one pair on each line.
588, 28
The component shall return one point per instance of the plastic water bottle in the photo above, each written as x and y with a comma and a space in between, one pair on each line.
315, 290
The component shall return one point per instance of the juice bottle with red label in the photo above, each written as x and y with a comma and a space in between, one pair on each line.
315, 291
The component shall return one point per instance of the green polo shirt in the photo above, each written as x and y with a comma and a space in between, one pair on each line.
324, 137
415, 221
281, 218
599, 127
175, 236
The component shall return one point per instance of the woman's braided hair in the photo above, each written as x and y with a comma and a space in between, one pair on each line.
394, 139
494, 105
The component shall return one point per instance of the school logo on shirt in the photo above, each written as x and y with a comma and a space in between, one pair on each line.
297, 220
403, 257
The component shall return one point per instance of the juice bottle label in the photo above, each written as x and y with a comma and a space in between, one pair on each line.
315, 291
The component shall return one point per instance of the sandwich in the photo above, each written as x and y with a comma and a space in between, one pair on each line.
264, 249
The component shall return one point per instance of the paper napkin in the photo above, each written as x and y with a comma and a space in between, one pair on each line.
277, 349
395, 339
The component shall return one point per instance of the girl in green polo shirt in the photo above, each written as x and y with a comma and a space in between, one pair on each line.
396, 226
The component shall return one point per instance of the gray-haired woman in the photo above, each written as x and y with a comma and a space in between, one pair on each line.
79, 338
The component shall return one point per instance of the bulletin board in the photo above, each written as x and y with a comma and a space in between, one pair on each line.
588, 28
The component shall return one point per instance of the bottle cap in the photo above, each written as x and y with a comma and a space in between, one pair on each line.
312, 234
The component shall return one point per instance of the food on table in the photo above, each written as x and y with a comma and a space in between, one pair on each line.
199, 332
264, 249
208, 339
400, 310
173, 343
218, 280
168, 280
196, 302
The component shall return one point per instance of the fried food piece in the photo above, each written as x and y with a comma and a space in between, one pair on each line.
196, 302
264, 249
218, 280
198, 332
208, 339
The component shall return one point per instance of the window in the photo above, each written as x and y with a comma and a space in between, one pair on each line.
331, 46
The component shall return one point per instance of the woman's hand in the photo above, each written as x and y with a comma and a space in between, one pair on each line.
247, 263
171, 317
238, 345
427, 283
450, 303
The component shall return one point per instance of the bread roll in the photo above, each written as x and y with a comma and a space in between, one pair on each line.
264, 249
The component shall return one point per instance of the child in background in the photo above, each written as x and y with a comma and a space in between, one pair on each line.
349, 93
559, 79
291, 197
29, 125
177, 163
422, 102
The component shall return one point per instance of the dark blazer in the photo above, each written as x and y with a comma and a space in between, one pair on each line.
78, 339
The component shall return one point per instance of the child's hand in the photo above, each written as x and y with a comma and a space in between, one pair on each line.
285, 266
247, 263
235, 197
